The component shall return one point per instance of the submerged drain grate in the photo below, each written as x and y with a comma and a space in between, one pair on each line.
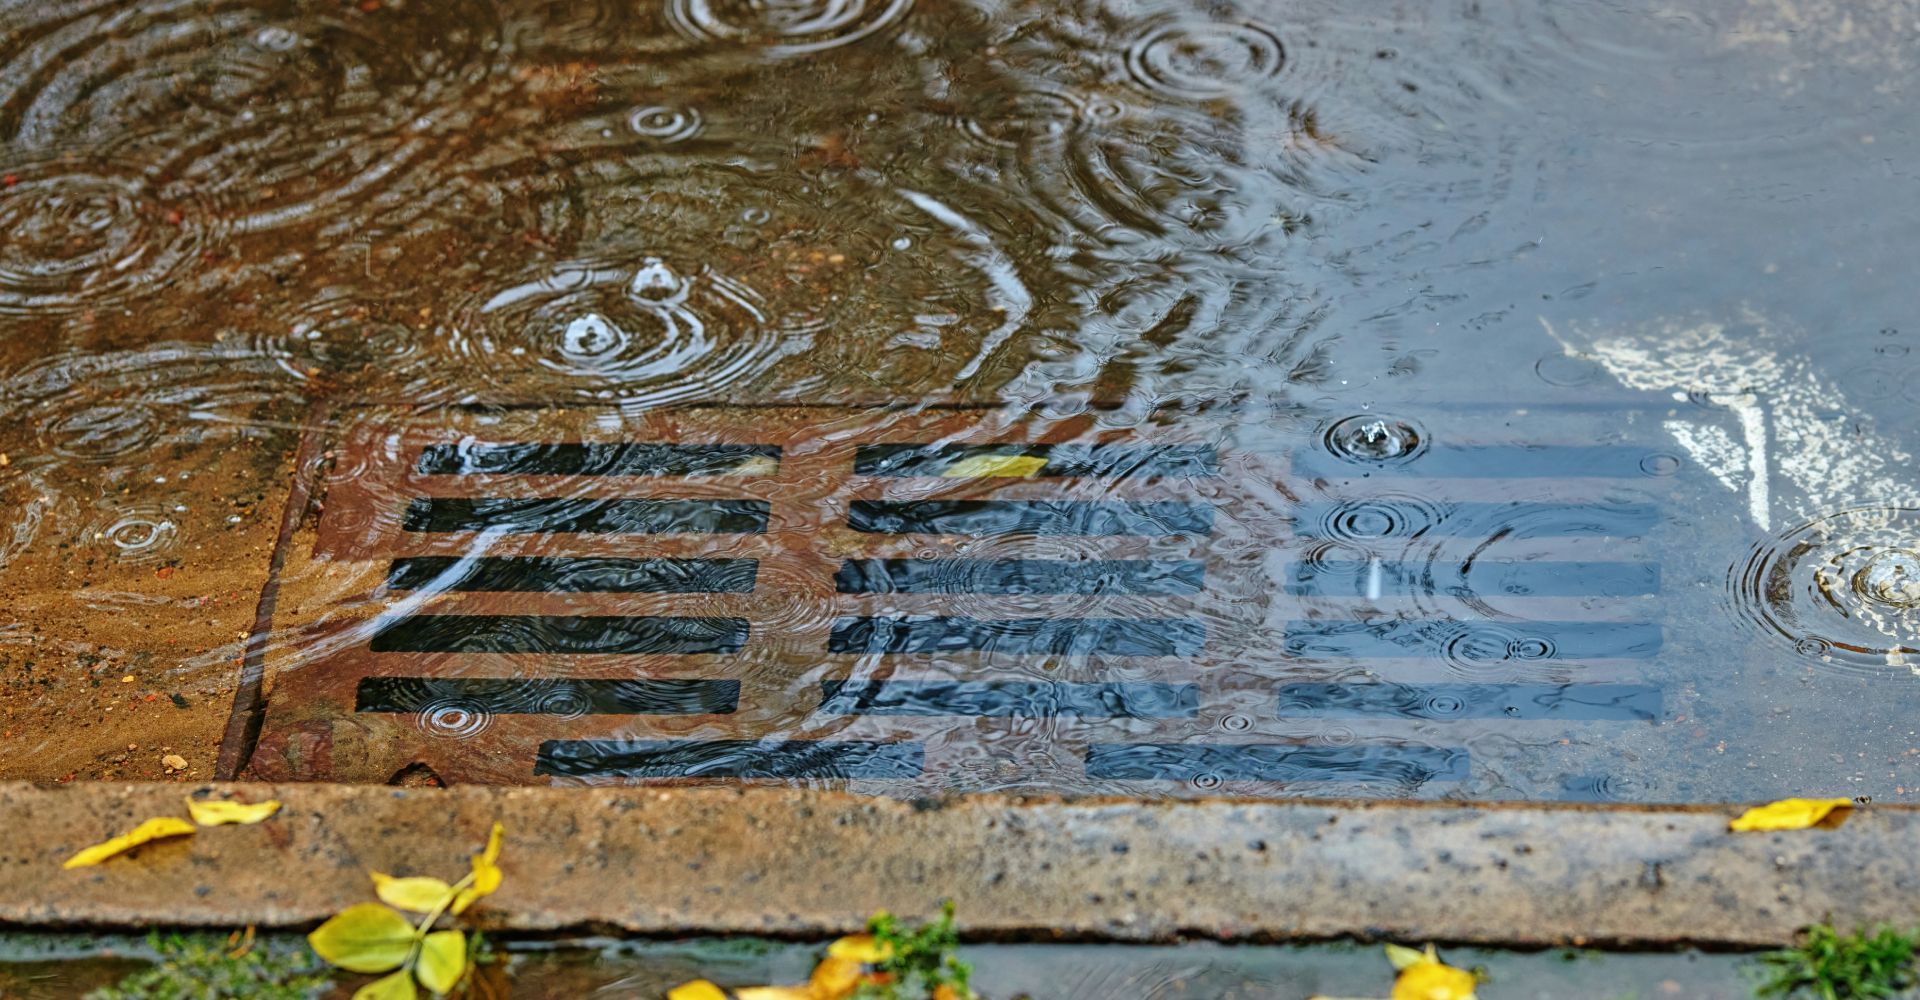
958, 600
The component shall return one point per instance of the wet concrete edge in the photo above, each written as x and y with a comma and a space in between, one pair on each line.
795, 863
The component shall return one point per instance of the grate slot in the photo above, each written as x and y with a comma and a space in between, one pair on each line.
1020, 576
851, 759
572, 515
1571, 702
1517, 579
532, 696
543, 574
558, 634
1115, 461
1381, 519
1028, 517
597, 459
1491, 642
1020, 636
1491, 462
1020, 699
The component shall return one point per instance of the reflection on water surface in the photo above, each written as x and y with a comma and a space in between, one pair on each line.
1491, 399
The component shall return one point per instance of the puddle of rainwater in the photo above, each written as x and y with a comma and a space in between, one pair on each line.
1481, 400
67, 967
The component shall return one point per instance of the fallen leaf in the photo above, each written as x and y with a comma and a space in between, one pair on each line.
219, 812
834, 978
365, 937
418, 894
1424, 977
486, 874
443, 960
153, 829
699, 989
1404, 957
1789, 814
756, 465
1434, 981
773, 993
863, 948
996, 467
398, 986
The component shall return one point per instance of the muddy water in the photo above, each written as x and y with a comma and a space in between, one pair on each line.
1479, 399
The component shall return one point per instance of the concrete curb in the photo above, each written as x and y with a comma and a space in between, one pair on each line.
795, 863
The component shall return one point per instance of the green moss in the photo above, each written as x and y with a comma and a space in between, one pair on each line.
924, 959
1866, 965
208, 966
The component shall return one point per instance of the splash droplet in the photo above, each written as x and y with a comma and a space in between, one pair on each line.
1891, 577
1375, 439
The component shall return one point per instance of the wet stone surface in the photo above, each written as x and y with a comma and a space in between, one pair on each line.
1496, 399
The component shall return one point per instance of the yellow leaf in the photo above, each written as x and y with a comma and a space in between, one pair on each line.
756, 465
398, 986
699, 989
1402, 956
834, 978
773, 993
1426, 980
1790, 814
366, 937
863, 948
443, 960
219, 812
996, 467
153, 829
419, 894
486, 874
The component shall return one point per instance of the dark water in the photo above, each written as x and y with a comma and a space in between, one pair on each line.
32, 968
1492, 399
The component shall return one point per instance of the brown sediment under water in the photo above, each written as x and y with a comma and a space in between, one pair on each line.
1484, 399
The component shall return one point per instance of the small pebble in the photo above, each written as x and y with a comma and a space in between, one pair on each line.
174, 762
127, 679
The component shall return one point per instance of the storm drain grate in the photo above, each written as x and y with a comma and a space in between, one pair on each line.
959, 600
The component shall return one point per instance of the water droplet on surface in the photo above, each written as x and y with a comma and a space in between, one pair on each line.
785, 27
1563, 369
1843, 589
276, 38
1377, 439
592, 336
82, 236
1199, 61
1891, 577
655, 282
664, 123
453, 720
1660, 464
